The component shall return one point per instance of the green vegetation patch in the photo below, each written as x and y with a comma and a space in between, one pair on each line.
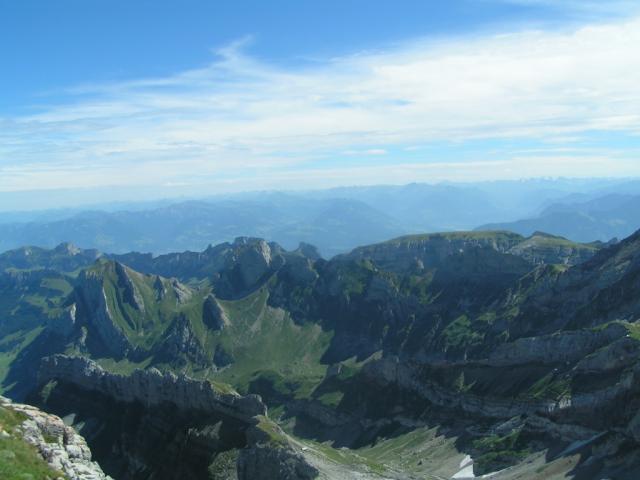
497, 452
550, 387
266, 344
460, 333
273, 433
18, 459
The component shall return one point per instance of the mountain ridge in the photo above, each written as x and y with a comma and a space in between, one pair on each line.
540, 332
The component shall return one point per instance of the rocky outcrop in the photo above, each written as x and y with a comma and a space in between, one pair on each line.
568, 346
182, 344
542, 248
159, 288
182, 292
59, 445
253, 260
94, 309
213, 315
264, 462
391, 371
618, 354
149, 387
196, 424
131, 294
63, 324
247, 263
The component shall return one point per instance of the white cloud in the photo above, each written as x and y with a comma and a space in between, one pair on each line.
240, 117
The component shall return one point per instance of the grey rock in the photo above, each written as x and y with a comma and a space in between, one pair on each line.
95, 310
264, 462
180, 341
213, 315
182, 292
161, 290
150, 387
68, 452
131, 294
566, 346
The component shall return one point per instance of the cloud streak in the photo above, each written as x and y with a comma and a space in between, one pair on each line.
242, 119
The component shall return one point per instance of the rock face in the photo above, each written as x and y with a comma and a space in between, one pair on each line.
578, 407
131, 294
182, 345
65, 323
92, 301
263, 462
560, 347
213, 315
149, 387
234, 268
60, 446
183, 294
252, 261
172, 427
542, 248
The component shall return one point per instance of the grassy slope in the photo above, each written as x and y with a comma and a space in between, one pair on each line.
265, 341
19, 460
23, 311
146, 328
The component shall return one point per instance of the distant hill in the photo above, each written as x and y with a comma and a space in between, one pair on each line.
603, 218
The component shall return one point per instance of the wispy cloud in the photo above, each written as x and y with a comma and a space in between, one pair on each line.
243, 120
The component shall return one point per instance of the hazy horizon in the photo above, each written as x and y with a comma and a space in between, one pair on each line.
114, 197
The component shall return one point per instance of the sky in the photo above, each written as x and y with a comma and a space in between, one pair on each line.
196, 96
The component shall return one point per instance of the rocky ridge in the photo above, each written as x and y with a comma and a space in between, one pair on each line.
149, 387
266, 454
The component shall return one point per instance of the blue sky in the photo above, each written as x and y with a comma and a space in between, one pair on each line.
216, 96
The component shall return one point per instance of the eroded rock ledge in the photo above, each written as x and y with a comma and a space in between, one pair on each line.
150, 387
216, 425
59, 445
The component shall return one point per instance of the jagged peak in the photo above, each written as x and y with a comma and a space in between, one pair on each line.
68, 248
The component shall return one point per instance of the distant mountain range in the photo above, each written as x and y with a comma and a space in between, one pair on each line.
336, 220
602, 218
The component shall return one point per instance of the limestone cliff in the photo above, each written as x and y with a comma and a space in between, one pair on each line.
59, 445
149, 387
